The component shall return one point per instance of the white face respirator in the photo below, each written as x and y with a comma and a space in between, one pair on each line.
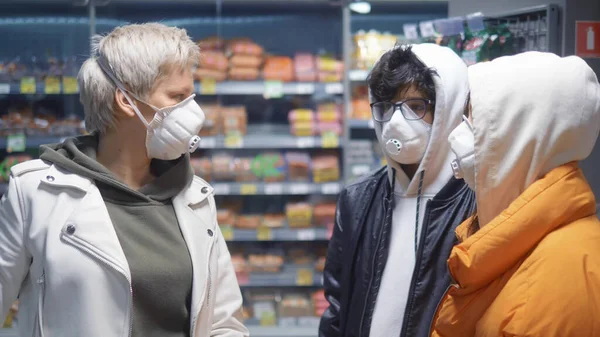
462, 143
174, 129
405, 141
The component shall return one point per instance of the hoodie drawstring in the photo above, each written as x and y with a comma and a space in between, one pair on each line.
421, 176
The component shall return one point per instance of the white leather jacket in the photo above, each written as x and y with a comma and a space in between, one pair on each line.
60, 255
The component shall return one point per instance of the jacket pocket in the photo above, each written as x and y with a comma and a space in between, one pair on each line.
39, 320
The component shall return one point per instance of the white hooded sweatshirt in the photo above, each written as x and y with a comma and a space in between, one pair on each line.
451, 86
532, 113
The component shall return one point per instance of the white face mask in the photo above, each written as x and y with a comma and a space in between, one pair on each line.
405, 141
462, 143
174, 129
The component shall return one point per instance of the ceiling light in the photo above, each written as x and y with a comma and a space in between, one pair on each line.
361, 7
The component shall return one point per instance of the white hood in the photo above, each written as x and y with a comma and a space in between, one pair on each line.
451, 88
531, 113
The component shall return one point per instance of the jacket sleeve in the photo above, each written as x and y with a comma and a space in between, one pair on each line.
227, 316
330, 321
13, 254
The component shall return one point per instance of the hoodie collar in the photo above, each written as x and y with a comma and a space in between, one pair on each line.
495, 248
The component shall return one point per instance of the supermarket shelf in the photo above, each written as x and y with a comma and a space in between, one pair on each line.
36, 141
3, 188
276, 188
272, 89
275, 234
358, 75
276, 331
38, 88
360, 124
291, 276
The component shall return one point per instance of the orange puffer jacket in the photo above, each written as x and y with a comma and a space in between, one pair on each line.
534, 270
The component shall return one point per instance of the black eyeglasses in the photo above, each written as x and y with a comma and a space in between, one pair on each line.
412, 109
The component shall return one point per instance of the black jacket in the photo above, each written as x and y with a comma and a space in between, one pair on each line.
358, 253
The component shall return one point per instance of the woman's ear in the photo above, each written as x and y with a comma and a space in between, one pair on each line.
122, 105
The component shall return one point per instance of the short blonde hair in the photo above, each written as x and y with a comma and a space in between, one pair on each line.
139, 55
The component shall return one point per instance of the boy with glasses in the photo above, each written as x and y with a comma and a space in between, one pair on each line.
386, 265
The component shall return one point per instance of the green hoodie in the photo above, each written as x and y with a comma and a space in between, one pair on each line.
148, 231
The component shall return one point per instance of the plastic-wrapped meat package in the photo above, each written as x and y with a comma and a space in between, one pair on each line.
208, 74
329, 112
295, 306
235, 119
274, 220
214, 60
265, 263
244, 46
299, 166
243, 170
325, 168
305, 67
226, 217
361, 109
335, 128
302, 122
299, 256
279, 68
212, 121
248, 221
211, 43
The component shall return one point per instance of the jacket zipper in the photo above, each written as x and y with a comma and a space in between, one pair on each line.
364, 311
40, 320
437, 307
409, 304
81, 244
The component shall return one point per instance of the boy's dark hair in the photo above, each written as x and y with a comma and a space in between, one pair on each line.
399, 69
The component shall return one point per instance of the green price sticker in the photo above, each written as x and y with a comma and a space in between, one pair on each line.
273, 89
16, 143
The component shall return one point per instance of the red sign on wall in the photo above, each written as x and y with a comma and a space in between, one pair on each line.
587, 39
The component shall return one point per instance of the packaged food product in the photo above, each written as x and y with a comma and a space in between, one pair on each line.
301, 115
320, 264
243, 170
295, 306
226, 217
248, 221
209, 74
239, 263
213, 60
277, 170
244, 74
244, 46
299, 214
274, 220
320, 302
264, 309
300, 256
305, 67
202, 167
303, 129
246, 61
212, 122
325, 213
222, 167
265, 263
325, 168
235, 119
10, 161
299, 166
211, 43
279, 68
361, 109
329, 112
335, 128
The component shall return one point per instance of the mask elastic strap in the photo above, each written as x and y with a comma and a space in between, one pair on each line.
107, 69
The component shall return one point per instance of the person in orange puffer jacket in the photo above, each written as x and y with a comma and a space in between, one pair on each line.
528, 262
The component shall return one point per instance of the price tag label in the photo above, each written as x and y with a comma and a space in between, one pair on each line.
208, 86
4, 88
264, 233
305, 142
273, 89
227, 232
330, 140
304, 277
307, 235
52, 85
274, 189
305, 88
234, 140
208, 143
410, 31
70, 85
334, 88
330, 188
268, 319
28, 85
16, 143
222, 189
248, 189
299, 189
427, 29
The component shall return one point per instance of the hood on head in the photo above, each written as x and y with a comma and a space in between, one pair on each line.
451, 90
532, 113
